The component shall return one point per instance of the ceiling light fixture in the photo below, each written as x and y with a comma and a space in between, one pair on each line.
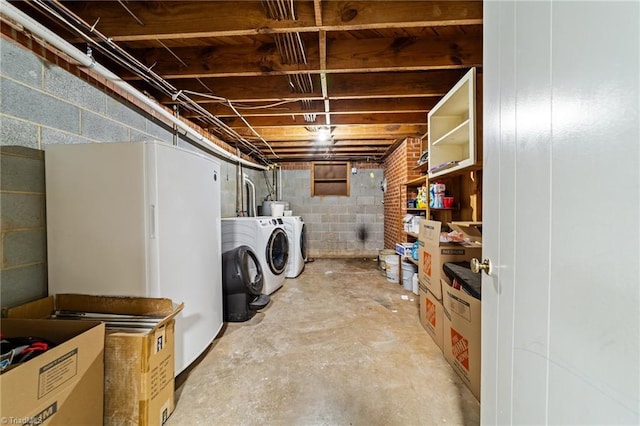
323, 134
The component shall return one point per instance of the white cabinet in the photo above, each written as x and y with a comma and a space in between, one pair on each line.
138, 219
452, 129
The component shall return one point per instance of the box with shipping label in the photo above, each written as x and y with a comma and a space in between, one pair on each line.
63, 385
462, 337
139, 362
433, 254
431, 313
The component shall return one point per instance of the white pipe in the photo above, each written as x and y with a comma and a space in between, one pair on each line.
251, 202
59, 43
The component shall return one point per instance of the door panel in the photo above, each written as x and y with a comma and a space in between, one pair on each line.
561, 313
491, 173
532, 207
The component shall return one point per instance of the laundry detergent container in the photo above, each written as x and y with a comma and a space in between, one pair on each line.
242, 282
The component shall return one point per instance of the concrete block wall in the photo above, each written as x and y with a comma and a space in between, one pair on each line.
399, 169
45, 100
44, 104
332, 222
23, 244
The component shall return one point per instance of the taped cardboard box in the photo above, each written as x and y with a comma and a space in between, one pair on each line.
139, 366
431, 315
63, 385
433, 254
462, 335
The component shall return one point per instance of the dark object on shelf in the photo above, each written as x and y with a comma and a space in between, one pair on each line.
424, 157
411, 204
242, 282
14, 350
460, 273
443, 166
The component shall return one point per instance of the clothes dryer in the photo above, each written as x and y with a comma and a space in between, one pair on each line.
267, 238
294, 227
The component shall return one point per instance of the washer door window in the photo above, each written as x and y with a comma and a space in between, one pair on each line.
303, 243
277, 251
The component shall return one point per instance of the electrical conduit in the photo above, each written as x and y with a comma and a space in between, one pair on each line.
56, 41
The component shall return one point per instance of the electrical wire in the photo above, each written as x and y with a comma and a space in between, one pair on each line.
120, 56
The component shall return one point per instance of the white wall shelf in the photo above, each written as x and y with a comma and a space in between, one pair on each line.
452, 128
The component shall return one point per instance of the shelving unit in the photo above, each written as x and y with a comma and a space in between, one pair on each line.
452, 129
330, 178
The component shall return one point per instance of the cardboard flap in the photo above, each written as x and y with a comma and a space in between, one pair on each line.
472, 230
430, 232
41, 308
124, 305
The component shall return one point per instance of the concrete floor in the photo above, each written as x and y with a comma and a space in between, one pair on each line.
336, 346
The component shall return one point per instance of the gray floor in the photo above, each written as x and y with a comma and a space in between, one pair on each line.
337, 346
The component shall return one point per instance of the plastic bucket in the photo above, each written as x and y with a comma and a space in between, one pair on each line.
277, 210
382, 255
392, 265
408, 270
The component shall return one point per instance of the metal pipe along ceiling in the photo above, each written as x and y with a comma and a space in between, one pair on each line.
56, 41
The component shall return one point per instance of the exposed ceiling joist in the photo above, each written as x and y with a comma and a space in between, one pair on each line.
368, 71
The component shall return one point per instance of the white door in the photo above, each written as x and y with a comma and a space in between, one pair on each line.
187, 239
561, 310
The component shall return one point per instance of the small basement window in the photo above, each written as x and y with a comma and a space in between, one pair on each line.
330, 178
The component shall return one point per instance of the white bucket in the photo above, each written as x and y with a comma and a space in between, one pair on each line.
382, 255
392, 262
408, 270
415, 283
277, 210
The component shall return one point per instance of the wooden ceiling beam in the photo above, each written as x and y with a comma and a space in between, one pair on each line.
296, 133
340, 86
336, 56
334, 148
259, 123
200, 19
341, 106
305, 144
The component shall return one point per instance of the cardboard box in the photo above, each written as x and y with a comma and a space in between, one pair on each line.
462, 335
431, 315
139, 367
61, 386
433, 254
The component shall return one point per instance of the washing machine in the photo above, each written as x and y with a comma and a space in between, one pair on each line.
267, 238
294, 227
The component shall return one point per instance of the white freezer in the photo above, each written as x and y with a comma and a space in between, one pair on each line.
138, 219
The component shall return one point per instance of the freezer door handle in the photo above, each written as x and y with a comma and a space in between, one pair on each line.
152, 222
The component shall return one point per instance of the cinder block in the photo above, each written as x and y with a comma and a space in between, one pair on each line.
65, 85
159, 130
347, 218
20, 64
18, 132
23, 284
21, 211
136, 136
125, 114
23, 102
19, 173
23, 247
369, 200
52, 137
98, 127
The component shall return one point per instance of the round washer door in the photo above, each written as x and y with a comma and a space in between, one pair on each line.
277, 252
303, 243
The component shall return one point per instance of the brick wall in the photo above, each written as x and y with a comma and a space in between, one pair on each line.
332, 223
398, 169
